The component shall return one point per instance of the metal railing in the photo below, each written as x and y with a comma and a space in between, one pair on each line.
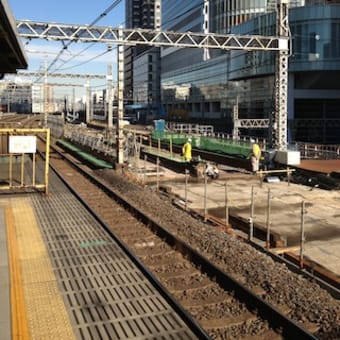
318, 151
90, 138
191, 129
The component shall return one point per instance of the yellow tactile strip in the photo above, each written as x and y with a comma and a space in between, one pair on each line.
45, 310
19, 327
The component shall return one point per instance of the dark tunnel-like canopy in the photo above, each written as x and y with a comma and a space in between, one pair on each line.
12, 55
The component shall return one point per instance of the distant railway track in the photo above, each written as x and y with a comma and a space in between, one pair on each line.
19, 121
224, 307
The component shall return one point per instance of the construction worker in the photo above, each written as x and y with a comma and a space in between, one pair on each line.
211, 170
255, 156
186, 150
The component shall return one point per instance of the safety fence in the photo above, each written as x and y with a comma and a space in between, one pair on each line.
257, 213
56, 125
18, 148
193, 129
91, 139
318, 151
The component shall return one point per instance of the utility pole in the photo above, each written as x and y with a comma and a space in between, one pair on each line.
88, 102
8, 100
73, 101
109, 97
236, 121
206, 14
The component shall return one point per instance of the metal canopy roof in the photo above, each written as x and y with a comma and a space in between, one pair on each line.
12, 55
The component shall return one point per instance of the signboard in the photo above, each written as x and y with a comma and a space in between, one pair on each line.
22, 144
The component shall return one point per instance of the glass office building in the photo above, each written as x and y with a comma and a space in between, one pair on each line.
193, 86
141, 62
189, 82
138, 14
226, 14
314, 70
199, 86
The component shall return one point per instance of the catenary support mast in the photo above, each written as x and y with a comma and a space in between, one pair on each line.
279, 126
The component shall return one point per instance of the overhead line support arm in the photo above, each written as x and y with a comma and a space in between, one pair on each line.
54, 31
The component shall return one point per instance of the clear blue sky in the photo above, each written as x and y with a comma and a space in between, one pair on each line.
40, 52
67, 11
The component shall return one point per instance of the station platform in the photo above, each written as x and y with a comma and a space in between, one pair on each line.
64, 277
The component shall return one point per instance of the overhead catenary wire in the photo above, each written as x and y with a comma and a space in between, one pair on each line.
81, 63
70, 59
108, 10
85, 49
65, 46
85, 62
104, 13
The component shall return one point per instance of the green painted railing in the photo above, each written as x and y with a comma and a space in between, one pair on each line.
99, 163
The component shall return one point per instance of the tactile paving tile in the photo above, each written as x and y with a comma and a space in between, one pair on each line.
106, 294
46, 313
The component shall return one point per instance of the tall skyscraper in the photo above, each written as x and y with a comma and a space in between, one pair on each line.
205, 85
195, 84
138, 14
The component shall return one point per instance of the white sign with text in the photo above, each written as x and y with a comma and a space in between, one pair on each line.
22, 144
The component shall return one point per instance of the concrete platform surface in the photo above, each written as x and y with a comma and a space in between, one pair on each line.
321, 218
66, 278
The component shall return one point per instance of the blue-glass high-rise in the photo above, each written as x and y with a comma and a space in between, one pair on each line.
197, 88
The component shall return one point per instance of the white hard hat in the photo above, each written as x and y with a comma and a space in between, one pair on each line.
189, 139
252, 140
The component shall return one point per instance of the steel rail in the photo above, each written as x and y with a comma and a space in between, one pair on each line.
324, 279
277, 320
186, 317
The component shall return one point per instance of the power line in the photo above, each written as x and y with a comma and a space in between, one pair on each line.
91, 24
84, 62
65, 47
108, 10
74, 56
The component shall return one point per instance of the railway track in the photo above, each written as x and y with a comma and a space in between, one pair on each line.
224, 307
19, 121
192, 283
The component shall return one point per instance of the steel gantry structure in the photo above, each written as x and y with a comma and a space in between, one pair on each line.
45, 75
124, 36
